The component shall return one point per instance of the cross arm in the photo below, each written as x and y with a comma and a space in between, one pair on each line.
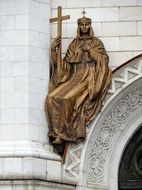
62, 18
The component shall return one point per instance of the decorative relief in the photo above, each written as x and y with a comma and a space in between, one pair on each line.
113, 121
124, 75
105, 137
73, 161
96, 166
140, 91
122, 111
116, 117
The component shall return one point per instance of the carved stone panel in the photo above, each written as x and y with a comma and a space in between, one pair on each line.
118, 115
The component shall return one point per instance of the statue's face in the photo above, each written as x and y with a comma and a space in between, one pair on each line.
84, 27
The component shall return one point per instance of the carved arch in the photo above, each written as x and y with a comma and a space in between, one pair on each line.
114, 128
88, 163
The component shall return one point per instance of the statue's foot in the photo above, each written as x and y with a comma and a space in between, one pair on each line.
57, 141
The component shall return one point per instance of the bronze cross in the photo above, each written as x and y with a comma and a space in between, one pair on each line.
84, 12
59, 20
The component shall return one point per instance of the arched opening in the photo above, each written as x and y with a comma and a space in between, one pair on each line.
130, 171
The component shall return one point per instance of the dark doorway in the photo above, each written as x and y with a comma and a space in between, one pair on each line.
130, 171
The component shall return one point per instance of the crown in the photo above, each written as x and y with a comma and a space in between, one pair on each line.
84, 19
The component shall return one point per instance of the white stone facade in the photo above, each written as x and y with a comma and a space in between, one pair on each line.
117, 23
27, 161
24, 57
24, 73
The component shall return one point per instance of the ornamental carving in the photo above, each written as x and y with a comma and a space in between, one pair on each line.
115, 118
105, 137
122, 111
120, 79
96, 166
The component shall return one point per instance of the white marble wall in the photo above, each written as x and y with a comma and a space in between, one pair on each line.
24, 72
24, 69
117, 23
33, 185
30, 168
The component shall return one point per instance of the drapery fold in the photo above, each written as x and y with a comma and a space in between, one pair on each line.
77, 89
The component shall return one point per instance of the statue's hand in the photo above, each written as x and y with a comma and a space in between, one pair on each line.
56, 43
85, 47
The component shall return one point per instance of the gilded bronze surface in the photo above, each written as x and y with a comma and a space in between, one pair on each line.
78, 84
59, 20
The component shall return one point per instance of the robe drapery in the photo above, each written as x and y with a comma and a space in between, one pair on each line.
77, 89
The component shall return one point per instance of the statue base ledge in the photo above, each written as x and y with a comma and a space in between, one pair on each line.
23, 148
34, 185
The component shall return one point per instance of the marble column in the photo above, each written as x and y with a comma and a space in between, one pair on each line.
24, 75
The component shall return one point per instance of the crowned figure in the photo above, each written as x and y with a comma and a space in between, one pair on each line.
78, 85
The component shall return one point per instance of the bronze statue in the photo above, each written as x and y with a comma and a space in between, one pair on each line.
78, 85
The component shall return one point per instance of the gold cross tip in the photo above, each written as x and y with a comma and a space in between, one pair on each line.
84, 19
84, 12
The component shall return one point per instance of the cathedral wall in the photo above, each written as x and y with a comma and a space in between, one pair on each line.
25, 153
24, 73
117, 23
33, 185
24, 62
